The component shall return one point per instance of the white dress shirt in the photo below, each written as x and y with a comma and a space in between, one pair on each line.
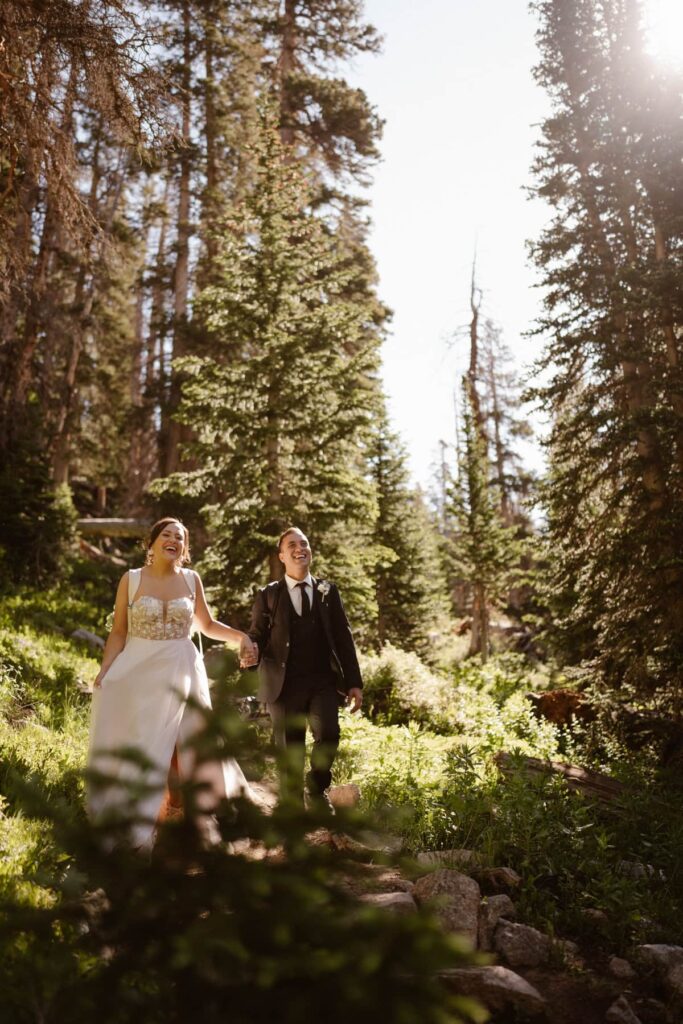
295, 591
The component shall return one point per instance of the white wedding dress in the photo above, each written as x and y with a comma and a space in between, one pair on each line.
142, 704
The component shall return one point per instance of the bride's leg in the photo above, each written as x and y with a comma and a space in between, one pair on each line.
208, 775
172, 805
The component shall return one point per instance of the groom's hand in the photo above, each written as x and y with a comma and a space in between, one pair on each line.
354, 699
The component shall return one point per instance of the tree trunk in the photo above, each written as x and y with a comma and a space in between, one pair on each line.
82, 307
181, 279
285, 67
210, 191
473, 371
479, 637
496, 416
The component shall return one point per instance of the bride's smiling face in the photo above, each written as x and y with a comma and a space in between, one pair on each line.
169, 545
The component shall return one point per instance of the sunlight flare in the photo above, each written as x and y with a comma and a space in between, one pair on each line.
664, 29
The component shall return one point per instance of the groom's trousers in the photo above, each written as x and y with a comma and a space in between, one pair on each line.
311, 699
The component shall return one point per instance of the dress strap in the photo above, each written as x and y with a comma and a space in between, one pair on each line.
190, 581
134, 579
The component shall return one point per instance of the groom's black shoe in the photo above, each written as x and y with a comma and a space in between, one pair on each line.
320, 803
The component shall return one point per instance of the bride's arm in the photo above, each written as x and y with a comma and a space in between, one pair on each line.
216, 630
116, 640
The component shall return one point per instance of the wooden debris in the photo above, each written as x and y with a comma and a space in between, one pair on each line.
593, 784
90, 551
113, 527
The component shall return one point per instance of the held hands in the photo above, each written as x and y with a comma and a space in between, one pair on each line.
249, 653
354, 699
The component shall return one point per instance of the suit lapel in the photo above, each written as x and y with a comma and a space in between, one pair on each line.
284, 600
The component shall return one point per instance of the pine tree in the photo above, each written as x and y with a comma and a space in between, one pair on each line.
409, 581
505, 425
611, 263
61, 65
485, 551
281, 410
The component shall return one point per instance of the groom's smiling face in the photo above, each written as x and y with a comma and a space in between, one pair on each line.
295, 554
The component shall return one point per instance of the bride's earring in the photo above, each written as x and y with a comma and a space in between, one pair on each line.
150, 557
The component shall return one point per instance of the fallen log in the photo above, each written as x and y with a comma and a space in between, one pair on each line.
593, 784
90, 551
113, 527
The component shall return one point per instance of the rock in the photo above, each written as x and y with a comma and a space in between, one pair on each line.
447, 858
497, 987
621, 969
596, 917
674, 981
344, 796
636, 869
570, 953
458, 900
398, 902
654, 1011
495, 880
368, 844
659, 957
620, 1012
381, 842
521, 945
567, 947
89, 638
490, 912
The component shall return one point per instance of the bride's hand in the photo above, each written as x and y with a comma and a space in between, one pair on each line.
99, 678
248, 652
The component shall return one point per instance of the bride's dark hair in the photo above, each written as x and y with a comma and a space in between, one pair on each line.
160, 525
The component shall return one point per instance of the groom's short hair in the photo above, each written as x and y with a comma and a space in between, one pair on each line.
290, 529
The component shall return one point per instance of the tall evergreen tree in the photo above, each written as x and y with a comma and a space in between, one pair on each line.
281, 410
485, 551
62, 66
611, 262
410, 584
505, 425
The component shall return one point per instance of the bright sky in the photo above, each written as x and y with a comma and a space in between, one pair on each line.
454, 86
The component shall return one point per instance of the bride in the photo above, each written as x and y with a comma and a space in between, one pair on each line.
150, 671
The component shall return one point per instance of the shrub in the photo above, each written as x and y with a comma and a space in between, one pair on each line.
399, 689
36, 519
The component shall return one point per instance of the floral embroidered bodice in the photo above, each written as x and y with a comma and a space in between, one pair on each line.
154, 619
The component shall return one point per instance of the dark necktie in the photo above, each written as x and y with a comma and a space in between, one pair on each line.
305, 603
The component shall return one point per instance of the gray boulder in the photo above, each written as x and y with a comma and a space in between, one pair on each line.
447, 858
521, 945
620, 968
674, 981
490, 912
620, 1012
456, 898
660, 957
496, 987
496, 880
398, 902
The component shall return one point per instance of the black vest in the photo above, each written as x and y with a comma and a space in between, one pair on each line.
309, 651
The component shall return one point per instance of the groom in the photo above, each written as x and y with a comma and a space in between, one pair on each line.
308, 667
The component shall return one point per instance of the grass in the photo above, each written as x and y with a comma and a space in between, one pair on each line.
423, 760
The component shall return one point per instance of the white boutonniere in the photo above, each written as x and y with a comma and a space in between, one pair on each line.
323, 589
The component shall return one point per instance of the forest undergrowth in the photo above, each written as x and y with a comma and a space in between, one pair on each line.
423, 754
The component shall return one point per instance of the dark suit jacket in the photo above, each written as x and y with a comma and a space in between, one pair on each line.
273, 638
